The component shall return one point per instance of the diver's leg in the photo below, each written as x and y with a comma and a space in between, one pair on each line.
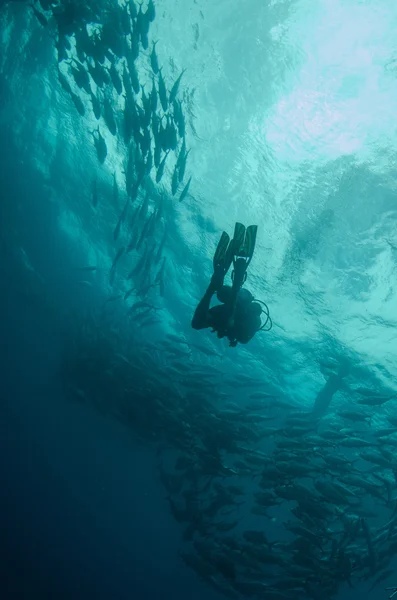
200, 317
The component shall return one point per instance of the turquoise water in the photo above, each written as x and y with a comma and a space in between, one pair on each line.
290, 122
290, 112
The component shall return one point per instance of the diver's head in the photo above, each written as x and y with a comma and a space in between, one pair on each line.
224, 294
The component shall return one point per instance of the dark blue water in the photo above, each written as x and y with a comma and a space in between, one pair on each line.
82, 513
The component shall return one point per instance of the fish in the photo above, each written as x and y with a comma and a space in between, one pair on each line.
98, 73
147, 107
160, 170
376, 459
371, 551
375, 400
117, 229
135, 36
145, 141
149, 322
160, 248
153, 98
131, 125
121, 219
151, 11
179, 118
145, 230
142, 22
181, 154
384, 432
108, 115
100, 146
144, 289
141, 115
368, 393
129, 172
115, 77
88, 268
119, 254
157, 155
160, 272
139, 266
139, 316
354, 442
185, 190
140, 304
175, 88
162, 137
162, 92
149, 162
87, 284
39, 16
129, 95
183, 166
140, 167
175, 181
134, 78
384, 575
353, 415
96, 106
144, 207
47, 4
80, 76
392, 419
115, 197
145, 41
260, 396
78, 103
132, 9
160, 278
83, 43
62, 47
154, 60
125, 20
64, 82
128, 293
170, 134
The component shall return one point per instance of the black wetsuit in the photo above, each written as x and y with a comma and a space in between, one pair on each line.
234, 319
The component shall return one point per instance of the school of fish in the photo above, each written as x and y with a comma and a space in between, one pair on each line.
275, 501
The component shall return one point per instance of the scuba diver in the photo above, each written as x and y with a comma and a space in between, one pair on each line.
239, 315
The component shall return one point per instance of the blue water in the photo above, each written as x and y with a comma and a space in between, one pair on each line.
292, 115
83, 514
82, 511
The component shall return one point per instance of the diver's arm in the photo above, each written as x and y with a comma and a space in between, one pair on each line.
200, 317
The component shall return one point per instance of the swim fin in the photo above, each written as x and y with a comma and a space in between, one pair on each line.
247, 250
221, 251
237, 242
243, 252
241, 246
